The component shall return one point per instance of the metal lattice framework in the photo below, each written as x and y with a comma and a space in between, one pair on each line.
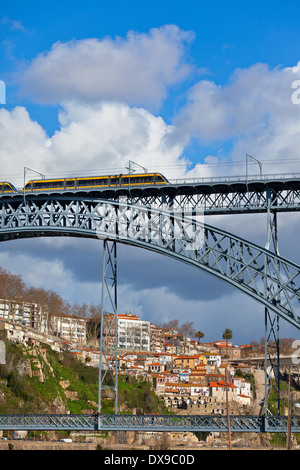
265, 276
235, 195
224, 195
108, 354
169, 220
208, 423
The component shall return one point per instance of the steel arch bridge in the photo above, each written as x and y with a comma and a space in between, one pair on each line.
265, 276
169, 220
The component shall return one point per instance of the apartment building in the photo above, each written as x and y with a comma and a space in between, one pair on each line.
27, 314
133, 333
68, 327
156, 338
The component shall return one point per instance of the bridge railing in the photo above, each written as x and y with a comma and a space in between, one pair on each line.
236, 178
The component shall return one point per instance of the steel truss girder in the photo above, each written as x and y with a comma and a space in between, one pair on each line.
215, 197
148, 423
265, 276
219, 202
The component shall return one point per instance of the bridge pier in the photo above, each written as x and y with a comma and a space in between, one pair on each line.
272, 324
108, 355
271, 328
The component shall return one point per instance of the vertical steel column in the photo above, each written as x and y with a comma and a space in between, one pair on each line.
272, 239
108, 358
274, 364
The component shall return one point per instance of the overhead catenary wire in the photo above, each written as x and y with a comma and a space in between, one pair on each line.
188, 166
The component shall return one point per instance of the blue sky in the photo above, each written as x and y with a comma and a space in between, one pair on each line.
185, 87
225, 36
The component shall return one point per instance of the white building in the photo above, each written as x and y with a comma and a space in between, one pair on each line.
27, 314
133, 333
244, 389
213, 359
68, 327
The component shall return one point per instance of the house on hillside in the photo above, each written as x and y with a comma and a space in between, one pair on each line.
156, 367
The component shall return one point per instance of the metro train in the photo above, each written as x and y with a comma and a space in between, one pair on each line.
6, 187
91, 182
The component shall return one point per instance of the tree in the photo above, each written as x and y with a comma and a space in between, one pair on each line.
199, 335
227, 335
12, 286
80, 310
171, 326
187, 329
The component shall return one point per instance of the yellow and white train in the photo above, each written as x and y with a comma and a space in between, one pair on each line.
90, 182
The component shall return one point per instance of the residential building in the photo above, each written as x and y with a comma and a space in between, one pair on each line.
68, 327
186, 361
133, 333
28, 314
156, 367
213, 359
156, 338
177, 343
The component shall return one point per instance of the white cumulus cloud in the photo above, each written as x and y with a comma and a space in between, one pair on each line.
91, 138
137, 69
254, 111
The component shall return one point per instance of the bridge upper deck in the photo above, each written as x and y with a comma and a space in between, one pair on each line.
223, 195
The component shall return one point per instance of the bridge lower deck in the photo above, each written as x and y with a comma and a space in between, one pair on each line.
148, 423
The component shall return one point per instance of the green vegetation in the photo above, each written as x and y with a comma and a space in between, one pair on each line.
137, 393
272, 399
67, 384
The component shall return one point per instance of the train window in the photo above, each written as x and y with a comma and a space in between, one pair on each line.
56, 184
5, 187
47, 184
99, 182
36, 185
81, 182
133, 180
159, 178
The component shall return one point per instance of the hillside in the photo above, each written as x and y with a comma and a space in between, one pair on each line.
40, 380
